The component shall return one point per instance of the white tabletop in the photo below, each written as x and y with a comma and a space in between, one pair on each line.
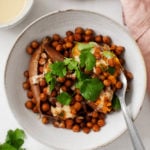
110, 8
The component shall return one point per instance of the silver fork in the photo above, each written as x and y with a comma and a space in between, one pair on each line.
135, 138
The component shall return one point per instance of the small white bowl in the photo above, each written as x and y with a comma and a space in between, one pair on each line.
18, 61
20, 17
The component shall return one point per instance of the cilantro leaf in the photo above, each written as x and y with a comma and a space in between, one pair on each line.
14, 140
86, 46
87, 60
64, 98
111, 70
7, 146
71, 63
58, 69
50, 79
116, 103
108, 54
91, 88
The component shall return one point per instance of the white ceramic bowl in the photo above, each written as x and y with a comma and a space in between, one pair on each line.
20, 17
59, 22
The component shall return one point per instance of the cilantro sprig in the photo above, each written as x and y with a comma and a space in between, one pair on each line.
14, 140
64, 98
87, 60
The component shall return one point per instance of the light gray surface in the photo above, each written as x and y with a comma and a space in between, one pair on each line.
110, 8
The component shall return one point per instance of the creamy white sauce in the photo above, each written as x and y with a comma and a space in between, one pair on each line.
9, 9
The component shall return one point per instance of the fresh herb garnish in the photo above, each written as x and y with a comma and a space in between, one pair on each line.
91, 88
87, 60
51, 80
108, 54
86, 46
111, 70
71, 63
58, 69
116, 103
64, 98
14, 140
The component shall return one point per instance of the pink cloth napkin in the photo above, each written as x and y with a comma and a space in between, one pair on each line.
136, 15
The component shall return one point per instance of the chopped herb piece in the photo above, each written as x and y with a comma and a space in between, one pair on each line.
86, 46
91, 88
87, 60
111, 70
71, 63
50, 79
58, 69
64, 98
14, 140
116, 103
108, 54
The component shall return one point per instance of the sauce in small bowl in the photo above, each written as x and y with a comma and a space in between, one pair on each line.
13, 12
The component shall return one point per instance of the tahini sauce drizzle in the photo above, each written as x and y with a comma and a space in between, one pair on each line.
9, 9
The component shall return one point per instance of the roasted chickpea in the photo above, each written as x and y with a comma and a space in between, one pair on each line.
56, 37
42, 61
35, 44
29, 104
68, 33
43, 97
61, 79
95, 114
29, 94
53, 93
77, 106
119, 85
86, 130
89, 124
55, 43
76, 128
26, 74
40, 69
78, 119
106, 39
33, 101
79, 30
101, 122
42, 83
26, 85
45, 107
68, 83
98, 38
66, 53
119, 50
98, 70
128, 75
87, 38
69, 123
45, 120
69, 45
64, 88
107, 82
35, 109
89, 32
77, 37
78, 97
59, 47
70, 38
96, 127
29, 50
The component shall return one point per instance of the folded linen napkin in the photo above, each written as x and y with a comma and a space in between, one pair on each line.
136, 16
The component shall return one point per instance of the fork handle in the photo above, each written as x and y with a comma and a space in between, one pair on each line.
136, 140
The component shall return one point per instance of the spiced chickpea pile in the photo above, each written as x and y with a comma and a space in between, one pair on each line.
71, 81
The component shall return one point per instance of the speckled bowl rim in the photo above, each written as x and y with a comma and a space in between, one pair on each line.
117, 24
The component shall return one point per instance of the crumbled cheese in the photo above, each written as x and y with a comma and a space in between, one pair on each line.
65, 110
35, 79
